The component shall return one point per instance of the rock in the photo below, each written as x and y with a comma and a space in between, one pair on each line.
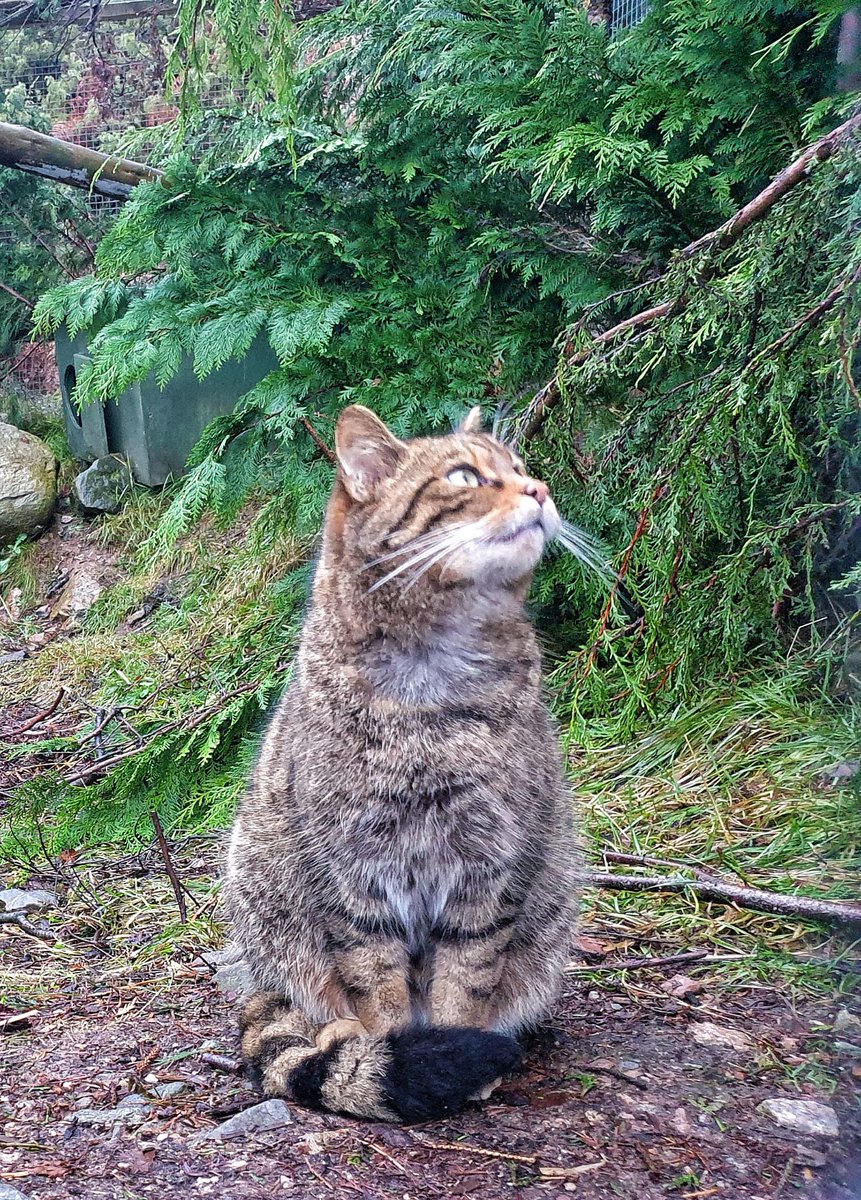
29, 410
28, 483
707, 1034
133, 1110
19, 900
681, 986
101, 488
681, 1122
271, 1114
165, 1090
79, 595
846, 1022
7, 1192
804, 1116
234, 978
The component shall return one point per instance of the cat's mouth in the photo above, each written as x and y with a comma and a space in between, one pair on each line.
514, 535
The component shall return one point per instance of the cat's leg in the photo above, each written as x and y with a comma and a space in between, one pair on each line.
499, 963
276, 1037
467, 967
375, 975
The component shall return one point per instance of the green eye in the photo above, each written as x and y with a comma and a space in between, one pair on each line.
464, 477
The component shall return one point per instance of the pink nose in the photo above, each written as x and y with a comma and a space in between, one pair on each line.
536, 489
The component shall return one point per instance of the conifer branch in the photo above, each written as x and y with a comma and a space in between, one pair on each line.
549, 396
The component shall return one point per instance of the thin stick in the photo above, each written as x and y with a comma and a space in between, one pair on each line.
461, 1148
616, 1073
743, 897
168, 866
325, 450
642, 964
637, 964
49, 712
17, 296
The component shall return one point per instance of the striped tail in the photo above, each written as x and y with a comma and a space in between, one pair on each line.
417, 1074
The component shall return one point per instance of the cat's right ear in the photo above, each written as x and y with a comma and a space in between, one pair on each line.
366, 450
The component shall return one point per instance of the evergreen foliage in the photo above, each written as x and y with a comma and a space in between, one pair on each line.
430, 200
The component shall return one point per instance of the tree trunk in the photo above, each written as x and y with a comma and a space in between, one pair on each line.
64, 162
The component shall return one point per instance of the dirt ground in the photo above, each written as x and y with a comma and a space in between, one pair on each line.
617, 1098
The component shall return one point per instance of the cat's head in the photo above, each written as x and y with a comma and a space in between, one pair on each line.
457, 508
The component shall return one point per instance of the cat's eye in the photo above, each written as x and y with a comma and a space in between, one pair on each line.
464, 477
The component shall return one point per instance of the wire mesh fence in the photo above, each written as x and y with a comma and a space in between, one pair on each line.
91, 73
626, 13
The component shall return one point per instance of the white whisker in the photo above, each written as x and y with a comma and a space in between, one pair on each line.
587, 550
416, 543
449, 539
446, 552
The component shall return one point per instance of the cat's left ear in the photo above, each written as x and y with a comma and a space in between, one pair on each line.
367, 451
472, 422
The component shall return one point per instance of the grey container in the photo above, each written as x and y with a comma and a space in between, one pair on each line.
153, 429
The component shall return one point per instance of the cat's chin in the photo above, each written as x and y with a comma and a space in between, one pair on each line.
506, 560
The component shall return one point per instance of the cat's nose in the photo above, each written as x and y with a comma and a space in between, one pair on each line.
536, 489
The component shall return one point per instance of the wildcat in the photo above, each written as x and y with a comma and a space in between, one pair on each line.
402, 875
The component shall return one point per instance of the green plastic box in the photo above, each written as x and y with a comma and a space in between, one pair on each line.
153, 429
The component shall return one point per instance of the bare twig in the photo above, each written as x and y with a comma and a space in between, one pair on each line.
644, 961
325, 450
49, 712
464, 1148
616, 1073
743, 897
17, 295
168, 866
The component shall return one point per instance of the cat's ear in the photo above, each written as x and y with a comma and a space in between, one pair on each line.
471, 423
367, 451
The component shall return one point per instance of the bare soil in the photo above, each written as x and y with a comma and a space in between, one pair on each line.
616, 1098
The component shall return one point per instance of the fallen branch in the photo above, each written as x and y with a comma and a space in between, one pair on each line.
721, 238
49, 712
465, 1148
848, 913
642, 962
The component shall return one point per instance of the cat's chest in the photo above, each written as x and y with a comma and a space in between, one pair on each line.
415, 856
442, 670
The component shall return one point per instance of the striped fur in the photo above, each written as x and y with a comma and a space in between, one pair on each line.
402, 874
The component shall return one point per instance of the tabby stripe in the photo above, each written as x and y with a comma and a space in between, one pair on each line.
451, 933
450, 511
411, 507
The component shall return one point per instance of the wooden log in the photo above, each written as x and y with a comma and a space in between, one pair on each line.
65, 162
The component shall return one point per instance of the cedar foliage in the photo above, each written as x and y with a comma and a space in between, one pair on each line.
419, 214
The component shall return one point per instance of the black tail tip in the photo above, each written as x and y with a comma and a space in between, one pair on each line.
434, 1072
